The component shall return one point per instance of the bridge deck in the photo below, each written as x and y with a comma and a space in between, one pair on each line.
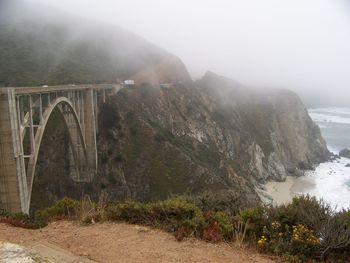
50, 89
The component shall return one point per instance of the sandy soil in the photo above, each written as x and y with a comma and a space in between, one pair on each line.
125, 243
283, 192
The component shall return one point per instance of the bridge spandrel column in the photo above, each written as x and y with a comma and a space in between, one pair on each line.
13, 183
90, 130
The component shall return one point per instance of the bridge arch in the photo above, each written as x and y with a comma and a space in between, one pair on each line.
76, 140
25, 112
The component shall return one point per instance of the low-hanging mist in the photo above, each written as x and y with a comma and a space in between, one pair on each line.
299, 45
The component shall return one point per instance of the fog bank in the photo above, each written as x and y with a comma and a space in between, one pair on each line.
296, 44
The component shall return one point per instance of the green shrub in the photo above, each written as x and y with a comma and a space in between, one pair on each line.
225, 224
303, 230
132, 212
109, 117
228, 201
103, 157
211, 232
119, 158
93, 212
255, 218
21, 216
343, 217
170, 214
178, 212
65, 207
17, 220
310, 211
111, 179
306, 228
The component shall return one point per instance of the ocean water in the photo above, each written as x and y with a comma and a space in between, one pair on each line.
331, 180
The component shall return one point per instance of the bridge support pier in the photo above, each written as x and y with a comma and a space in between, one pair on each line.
90, 117
13, 183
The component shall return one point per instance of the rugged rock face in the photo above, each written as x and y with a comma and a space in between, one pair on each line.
345, 153
282, 137
213, 134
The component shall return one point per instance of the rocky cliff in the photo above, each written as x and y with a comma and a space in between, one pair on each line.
213, 134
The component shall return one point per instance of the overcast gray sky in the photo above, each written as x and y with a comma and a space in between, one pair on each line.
298, 44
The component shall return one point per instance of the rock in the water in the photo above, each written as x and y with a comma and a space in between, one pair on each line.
345, 153
348, 165
334, 157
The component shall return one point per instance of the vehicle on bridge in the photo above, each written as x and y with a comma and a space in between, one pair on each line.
129, 82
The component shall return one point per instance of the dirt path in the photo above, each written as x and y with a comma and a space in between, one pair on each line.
125, 243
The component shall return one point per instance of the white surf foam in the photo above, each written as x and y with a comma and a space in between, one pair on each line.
331, 110
331, 179
322, 117
330, 183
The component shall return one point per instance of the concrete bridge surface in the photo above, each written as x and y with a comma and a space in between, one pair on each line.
24, 114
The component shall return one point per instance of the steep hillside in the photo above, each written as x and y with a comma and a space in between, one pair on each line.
213, 135
39, 45
210, 135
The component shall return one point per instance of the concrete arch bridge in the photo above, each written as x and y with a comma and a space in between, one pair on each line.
24, 114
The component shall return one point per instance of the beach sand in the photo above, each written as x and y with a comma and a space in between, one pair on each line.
283, 192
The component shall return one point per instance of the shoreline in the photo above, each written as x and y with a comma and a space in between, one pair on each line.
284, 192
330, 181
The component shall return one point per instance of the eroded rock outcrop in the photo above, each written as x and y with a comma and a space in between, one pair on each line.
207, 135
345, 153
